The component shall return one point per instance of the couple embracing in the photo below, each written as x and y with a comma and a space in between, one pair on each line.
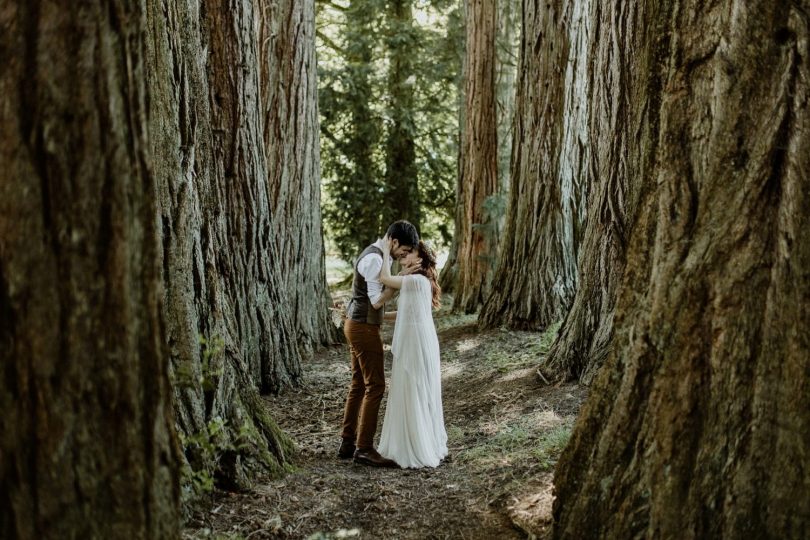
413, 433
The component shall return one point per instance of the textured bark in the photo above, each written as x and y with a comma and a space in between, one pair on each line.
86, 436
624, 84
289, 99
478, 176
537, 268
220, 265
507, 47
699, 424
401, 175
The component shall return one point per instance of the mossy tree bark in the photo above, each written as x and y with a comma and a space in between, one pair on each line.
537, 266
87, 442
289, 99
698, 425
474, 245
221, 264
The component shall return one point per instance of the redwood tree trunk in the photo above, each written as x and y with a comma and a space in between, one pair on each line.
86, 431
221, 270
537, 268
699, 424
289, 99
478, 177
507, 48
619, 105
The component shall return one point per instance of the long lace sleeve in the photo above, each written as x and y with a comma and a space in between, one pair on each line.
415, 300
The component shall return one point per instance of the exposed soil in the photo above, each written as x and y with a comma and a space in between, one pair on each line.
506, 429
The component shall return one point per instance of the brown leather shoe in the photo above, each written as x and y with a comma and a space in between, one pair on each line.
346, 450
369, 456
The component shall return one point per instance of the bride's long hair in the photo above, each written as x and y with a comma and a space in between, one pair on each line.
428, 269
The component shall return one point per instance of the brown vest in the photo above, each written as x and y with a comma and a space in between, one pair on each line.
360, 309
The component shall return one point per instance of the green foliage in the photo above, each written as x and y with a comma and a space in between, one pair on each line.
211, 368
183, 375
203, 451
388, 95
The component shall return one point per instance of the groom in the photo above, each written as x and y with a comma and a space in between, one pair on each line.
362, 329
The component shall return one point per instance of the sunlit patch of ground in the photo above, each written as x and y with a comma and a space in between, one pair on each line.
506, 430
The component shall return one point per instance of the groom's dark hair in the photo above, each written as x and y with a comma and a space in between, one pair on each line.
404, 232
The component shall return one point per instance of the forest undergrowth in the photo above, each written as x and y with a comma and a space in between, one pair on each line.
506, 430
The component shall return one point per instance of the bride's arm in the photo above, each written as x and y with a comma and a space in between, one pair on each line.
387, 294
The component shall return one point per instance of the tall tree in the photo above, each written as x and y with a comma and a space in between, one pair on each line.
537, 267
469, 264
86, 435
401, 175
221, 271
356, 184
617, 163
289, 99
699, 424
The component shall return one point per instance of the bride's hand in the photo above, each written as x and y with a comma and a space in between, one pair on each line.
408, 270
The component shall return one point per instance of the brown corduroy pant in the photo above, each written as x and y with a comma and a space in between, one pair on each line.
368, 383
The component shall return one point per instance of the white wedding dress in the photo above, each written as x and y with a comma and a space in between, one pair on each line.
413, 431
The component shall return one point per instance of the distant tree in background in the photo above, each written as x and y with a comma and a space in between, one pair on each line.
507, 46
401, 176
470, 262
387, 101
537, 269
351, 128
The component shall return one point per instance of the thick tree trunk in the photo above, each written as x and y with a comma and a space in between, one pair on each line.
220, 266
699, 424
289, 98
619, 106
401, 177
478, 177
87, 445
537, 268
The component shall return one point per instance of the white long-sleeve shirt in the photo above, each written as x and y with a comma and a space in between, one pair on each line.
369, 267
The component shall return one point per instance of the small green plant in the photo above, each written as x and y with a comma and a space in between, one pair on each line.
203, 451
211, 367
183, 374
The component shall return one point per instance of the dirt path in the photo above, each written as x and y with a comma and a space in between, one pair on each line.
505, 432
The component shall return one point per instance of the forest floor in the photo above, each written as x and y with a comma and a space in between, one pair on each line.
506, 430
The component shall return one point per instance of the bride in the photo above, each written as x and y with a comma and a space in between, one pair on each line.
413, 431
